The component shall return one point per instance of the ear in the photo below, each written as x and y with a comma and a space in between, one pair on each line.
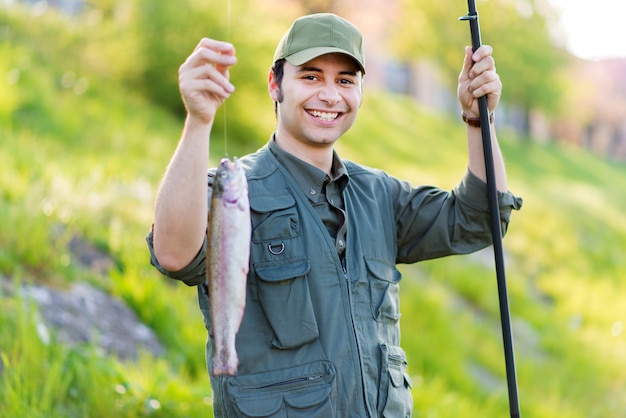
272, 86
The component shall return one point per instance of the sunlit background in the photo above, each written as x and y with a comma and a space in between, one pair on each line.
593, 30
90, 115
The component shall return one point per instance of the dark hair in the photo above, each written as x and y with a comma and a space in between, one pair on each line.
279, 71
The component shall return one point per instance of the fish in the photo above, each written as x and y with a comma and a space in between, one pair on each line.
227, 262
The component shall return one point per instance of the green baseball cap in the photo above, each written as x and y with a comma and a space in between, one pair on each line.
317, 34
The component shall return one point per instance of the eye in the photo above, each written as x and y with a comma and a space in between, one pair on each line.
223, 175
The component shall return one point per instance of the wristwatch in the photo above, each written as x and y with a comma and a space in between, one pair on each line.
475, 122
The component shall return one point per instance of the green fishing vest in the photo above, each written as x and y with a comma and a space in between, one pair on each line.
319, 338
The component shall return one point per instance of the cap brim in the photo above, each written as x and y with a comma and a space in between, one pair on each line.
307, 55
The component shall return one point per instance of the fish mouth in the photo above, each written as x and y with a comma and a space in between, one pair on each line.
230, 183
324, 116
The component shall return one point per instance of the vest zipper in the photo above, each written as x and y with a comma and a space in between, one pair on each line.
344, 267
291, 381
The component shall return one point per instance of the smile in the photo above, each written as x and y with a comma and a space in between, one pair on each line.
325, 116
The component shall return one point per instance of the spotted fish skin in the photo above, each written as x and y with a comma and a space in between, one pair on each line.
227, 262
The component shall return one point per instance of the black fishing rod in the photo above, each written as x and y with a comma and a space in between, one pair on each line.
496, 232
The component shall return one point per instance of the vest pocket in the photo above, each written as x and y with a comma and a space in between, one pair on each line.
383, 283
275, 217
285, 298
395, 399
303, 391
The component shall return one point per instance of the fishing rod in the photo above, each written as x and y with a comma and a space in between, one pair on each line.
496, 232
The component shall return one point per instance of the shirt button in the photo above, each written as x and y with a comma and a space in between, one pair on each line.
340, 243
312, 192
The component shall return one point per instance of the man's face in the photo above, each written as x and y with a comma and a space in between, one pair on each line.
318, 101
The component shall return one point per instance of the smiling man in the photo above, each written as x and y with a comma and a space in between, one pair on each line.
320, 334
322, 103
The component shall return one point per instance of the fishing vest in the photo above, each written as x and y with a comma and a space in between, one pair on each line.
319, 338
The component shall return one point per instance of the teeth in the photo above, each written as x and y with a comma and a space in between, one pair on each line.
324, 116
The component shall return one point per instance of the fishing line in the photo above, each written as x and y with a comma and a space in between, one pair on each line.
225, 104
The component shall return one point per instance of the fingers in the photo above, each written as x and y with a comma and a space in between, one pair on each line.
478, 78
482, 52
482, 61
211, 52
476, 63
479, 74
203, 78
200, 68
487, 82
220, 46
220, 54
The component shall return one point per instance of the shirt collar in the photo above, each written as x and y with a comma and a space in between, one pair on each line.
310, 178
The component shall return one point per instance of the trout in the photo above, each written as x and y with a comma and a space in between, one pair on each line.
228, 257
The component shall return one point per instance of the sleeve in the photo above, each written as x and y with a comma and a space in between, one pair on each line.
193, 274
472, 193
434, 223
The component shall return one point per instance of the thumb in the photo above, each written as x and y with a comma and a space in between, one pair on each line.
223, 68
468, 62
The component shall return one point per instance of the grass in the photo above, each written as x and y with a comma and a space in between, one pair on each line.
85, 162
43, 378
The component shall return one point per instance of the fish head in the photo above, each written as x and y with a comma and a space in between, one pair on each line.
230, 181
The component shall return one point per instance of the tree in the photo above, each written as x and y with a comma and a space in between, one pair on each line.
527, 60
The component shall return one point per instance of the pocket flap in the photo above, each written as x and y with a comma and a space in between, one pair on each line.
396, 365
259, 406
308, 398
282, 270
301, 388
264, 203
397, 377
382, 270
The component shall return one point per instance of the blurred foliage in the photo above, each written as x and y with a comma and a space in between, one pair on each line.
160, 35
528, 61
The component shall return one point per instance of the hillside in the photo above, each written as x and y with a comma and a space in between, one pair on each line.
81, 157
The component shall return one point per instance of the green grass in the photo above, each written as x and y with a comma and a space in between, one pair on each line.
43, 378
87, 163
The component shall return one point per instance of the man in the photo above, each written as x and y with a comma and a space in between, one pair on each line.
320, 334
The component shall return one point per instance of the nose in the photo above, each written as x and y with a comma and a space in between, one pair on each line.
329, 93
